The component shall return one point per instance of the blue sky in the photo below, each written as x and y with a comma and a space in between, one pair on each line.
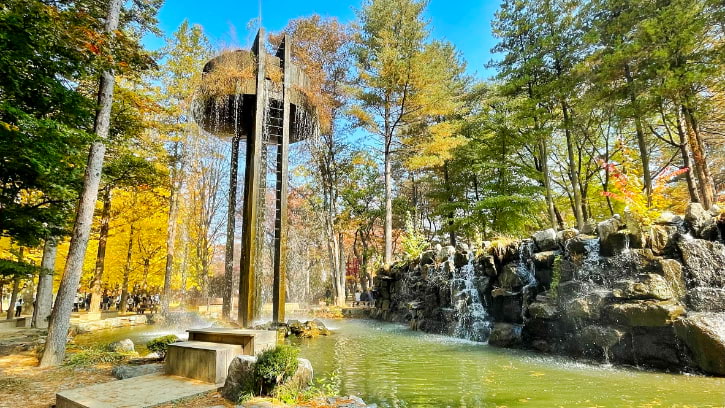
465, 23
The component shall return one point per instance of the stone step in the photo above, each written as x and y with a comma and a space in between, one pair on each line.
144, 391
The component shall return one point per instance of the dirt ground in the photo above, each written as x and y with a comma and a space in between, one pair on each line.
23, 384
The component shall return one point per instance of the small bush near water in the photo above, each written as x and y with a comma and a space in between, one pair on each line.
322, 388
160, 345
273, 366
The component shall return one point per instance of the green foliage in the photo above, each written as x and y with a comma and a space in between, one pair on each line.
413, 241
160, 345
89, 356
10, 268
274, 366
323, 387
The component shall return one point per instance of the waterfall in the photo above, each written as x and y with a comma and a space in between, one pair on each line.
473, 321
527, 272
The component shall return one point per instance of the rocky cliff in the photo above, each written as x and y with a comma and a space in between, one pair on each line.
613, 292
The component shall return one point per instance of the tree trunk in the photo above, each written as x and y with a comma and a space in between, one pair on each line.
171, 234
101, 254
544, 157
447, 184
184, 269
702, 171
641, 142
686, 163
573, 173
388, 259
127, 271
44, 294
13, 297
231, 216
60, 318
340, 281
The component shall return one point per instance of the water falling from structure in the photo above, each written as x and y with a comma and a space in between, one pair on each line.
473, 320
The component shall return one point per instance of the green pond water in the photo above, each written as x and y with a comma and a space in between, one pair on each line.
391, 366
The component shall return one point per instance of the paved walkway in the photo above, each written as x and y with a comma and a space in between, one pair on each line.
144, 391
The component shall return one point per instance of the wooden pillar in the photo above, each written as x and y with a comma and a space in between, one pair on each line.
280, 223
251, 193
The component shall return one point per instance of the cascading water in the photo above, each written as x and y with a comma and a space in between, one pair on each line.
472, 317
527, 273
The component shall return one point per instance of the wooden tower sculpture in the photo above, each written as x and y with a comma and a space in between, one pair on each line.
259, 97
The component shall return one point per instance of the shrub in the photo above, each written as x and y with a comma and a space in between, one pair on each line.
160, 345
413, 241
321, 388
274, 366
96, 355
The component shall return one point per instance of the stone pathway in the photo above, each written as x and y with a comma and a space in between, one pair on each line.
143, 391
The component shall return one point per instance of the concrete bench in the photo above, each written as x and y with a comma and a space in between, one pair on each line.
15, 322
252, 341
201, 360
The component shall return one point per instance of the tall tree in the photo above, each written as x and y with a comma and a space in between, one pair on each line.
322, 50
187, 51
60, 318
395, 90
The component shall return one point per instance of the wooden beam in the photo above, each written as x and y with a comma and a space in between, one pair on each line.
280, 224
251, 193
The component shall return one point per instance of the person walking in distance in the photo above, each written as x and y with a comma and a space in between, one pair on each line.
18, 307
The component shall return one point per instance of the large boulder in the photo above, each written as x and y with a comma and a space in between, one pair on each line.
701, 222
704, 262
565, 235
586, 307
672, 272
302, 377
545, 260
240, 378
543, 310
662, 239
511, 277
645, 286
704, 335
645, 313
582, 245
545, 240
486, 265
544, 266
124, 371
600, 339
657, 347
122, 346
705, 299
505, 335
312, 328
507, 307
607, 228
619, 242
590, 227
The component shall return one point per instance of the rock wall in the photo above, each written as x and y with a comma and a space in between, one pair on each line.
612, 292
